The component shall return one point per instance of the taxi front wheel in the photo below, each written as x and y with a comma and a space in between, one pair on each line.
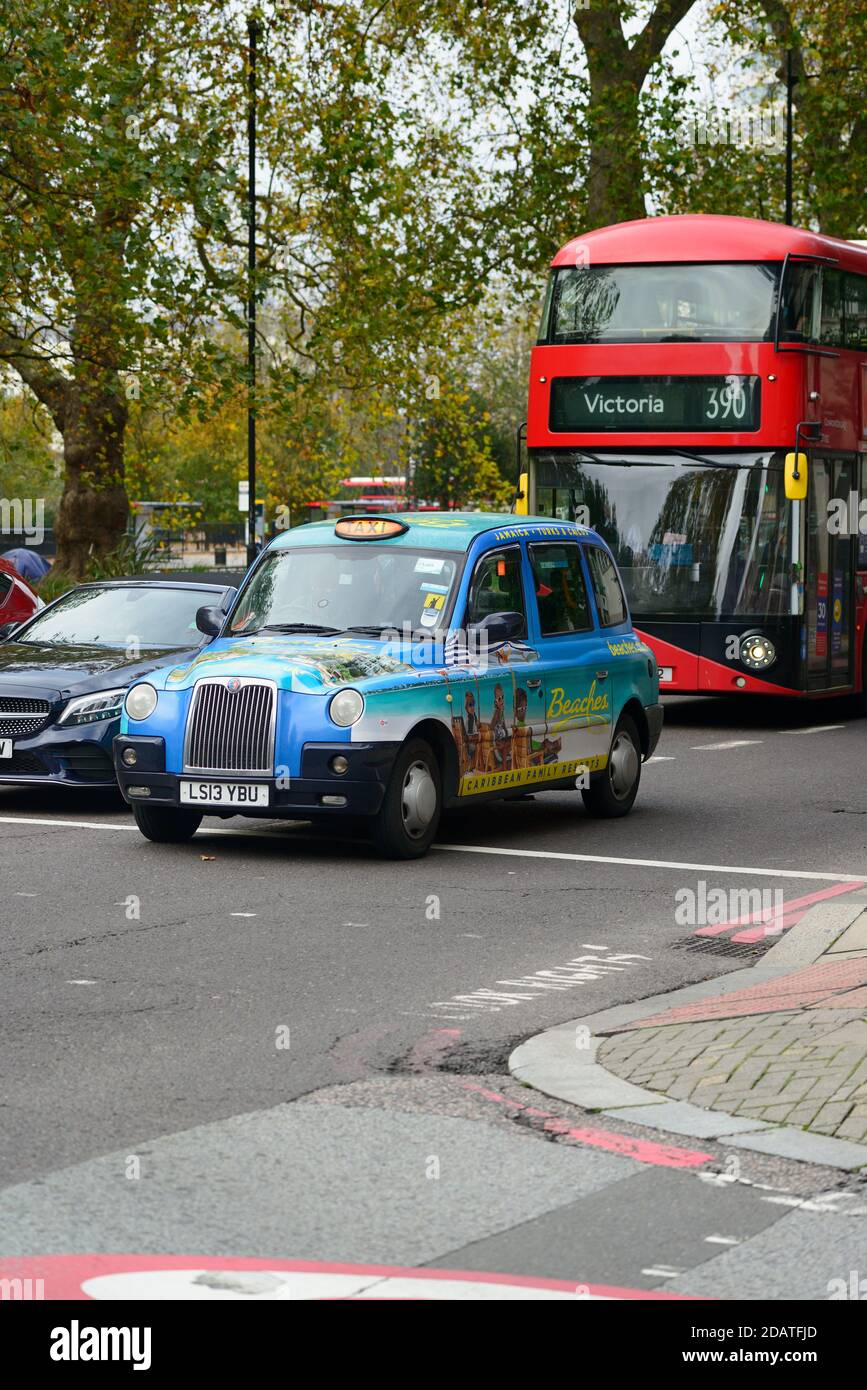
166, 825
613, 790
407, 821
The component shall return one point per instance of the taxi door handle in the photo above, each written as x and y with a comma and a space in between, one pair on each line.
601, 675
534, 684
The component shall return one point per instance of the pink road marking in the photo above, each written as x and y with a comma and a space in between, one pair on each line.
63, 1275
643, 1150
793, 911
810, 985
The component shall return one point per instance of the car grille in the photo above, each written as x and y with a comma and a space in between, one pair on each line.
22, 716
231, 731
23, 765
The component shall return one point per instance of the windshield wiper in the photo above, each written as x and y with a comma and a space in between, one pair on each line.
299, 627
700, 458
372, 629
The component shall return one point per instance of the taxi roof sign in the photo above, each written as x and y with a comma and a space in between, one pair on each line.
369, 528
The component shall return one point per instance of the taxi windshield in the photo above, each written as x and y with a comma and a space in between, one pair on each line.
339, 588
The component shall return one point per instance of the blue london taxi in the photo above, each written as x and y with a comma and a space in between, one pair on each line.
385, 667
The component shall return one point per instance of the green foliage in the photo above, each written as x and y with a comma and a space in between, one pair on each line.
29, 462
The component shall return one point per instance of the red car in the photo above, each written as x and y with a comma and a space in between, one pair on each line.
17, 599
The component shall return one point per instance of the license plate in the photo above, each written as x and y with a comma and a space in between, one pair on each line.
224, 793
664, 675
5, 748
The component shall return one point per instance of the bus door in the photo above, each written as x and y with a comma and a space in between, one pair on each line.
829, 575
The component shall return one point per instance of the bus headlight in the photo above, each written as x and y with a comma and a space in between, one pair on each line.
757, 651
141, 701
346, 708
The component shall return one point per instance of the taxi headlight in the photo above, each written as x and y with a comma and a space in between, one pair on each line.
346, 708
141, 701
757, 651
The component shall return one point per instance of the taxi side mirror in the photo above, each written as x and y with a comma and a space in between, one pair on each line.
501, 627
209, 620
797, 471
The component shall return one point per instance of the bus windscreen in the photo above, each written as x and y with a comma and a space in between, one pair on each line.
691, 540
711, 303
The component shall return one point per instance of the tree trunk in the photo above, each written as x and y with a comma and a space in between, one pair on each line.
615, 182
618, 70
94, 507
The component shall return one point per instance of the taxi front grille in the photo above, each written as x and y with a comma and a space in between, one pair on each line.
230, 727
22, 716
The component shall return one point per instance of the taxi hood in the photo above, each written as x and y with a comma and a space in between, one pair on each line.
317, 665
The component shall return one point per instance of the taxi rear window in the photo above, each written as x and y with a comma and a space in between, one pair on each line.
347, 586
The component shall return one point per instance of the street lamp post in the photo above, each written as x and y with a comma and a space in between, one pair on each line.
252, 32
790, 87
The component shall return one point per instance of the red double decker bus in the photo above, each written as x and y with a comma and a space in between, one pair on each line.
698, 394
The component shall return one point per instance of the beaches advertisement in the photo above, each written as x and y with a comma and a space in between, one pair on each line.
510, 734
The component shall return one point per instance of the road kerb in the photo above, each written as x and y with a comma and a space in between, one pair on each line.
561, 1062
818, 930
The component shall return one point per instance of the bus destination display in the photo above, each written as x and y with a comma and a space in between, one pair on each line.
644, 403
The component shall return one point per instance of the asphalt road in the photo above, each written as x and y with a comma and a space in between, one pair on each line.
269, 1043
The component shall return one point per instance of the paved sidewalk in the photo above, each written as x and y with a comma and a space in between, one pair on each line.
776, 1055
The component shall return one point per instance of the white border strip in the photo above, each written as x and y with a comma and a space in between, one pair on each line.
490, 849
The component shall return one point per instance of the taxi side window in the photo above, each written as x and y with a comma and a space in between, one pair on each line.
606, 587
560, 592
496, 587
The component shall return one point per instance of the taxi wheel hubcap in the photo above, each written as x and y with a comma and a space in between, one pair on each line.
623, 765
418, 799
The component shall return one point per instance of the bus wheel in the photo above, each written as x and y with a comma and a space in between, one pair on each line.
166, 825
407, 821
613, 790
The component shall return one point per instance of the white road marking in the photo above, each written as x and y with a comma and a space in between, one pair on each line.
81, 982
528, 988
662, 1272
722, 1240
826, 1202
652, 863
815, 729
806, 874
729, 743
242, 914
282, 1285
76, 824
655, 759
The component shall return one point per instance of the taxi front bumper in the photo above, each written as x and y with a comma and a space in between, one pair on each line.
318, 789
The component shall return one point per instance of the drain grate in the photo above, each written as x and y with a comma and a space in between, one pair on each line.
722, 946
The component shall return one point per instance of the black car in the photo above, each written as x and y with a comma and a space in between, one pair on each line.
65, 671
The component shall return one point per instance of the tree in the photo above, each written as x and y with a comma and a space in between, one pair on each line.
29, 463
618, 70
122, 237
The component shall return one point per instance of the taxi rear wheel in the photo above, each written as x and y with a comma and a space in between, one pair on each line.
613, 790
166, 825
407, 821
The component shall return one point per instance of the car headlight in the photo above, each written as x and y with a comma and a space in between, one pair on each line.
141, 701
346, 707
87, 709
757, 652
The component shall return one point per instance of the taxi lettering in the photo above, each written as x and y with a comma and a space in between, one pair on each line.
591, 703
